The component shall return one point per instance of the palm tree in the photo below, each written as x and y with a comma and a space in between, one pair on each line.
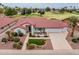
65, 8
53, 9
1, 5
73, 21
41, 12
70, 7
18, 9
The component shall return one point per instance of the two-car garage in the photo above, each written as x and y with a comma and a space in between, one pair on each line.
56, 29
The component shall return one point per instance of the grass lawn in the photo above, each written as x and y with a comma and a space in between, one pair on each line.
49, 15
18, 16
34, 15
36, 41
59, 16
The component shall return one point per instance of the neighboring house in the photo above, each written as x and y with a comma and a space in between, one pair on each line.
41, 25
5, 23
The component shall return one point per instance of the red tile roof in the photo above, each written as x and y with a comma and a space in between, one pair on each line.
42, 22
5, 21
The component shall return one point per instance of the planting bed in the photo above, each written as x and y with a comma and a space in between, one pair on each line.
9, 44
40, 44
72, 44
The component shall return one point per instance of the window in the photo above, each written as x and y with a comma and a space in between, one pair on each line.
39, 29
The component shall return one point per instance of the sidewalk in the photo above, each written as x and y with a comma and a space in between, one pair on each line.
26, 40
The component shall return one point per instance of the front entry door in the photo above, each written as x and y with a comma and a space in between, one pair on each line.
29, 28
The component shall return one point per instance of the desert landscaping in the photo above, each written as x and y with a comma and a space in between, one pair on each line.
39, 30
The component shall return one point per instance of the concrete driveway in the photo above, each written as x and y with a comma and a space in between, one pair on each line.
59, 41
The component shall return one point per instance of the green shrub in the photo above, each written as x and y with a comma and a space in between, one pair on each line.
45, 36
20, 43
14, 34
37, 41
30, 46
31, 35
4, 40
14, 45
75, 40
27, 44
78, 39
17, 45
16, 39
10, 12
21, 34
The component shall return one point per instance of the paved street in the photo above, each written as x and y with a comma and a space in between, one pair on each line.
38, 52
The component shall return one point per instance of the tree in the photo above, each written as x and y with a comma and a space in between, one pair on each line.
4, 40
65, 7
10, 12
77, 11
41, 12
70, 7
53, 9
1, 5
18, 9
35, 10
23, 12
62, 10
73, 21
47, 9
1, 10
28, 11
74, 8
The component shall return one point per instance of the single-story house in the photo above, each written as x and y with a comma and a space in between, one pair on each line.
41, 25
5, 23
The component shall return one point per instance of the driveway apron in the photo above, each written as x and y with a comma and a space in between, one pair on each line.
59, 41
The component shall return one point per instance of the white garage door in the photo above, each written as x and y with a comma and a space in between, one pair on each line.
56, 30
